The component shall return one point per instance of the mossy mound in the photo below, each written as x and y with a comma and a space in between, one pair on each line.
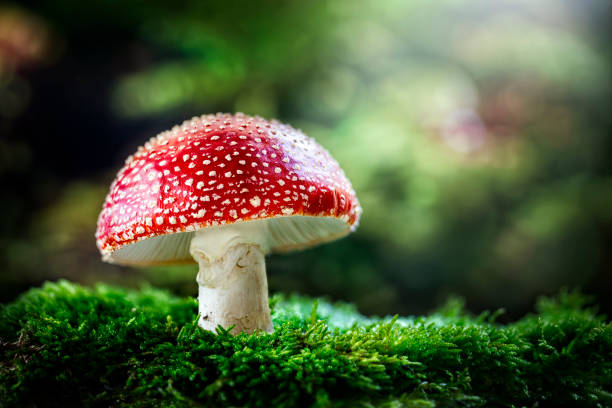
66, 345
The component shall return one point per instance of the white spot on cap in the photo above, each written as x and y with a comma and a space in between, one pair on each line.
287, 211
200, 185
140, 229
159, 220
172, 220
228, 157
212, 173
255, 201
228, 174
185, 157
189, 182
149, 221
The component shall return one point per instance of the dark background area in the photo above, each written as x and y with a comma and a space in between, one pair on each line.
476, 135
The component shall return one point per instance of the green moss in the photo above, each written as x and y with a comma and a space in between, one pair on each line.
66, 345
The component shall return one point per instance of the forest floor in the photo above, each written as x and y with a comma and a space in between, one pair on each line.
67, 345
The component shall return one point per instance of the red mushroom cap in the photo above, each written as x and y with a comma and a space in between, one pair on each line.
221, 169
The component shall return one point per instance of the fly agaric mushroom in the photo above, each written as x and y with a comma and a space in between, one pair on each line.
224, 190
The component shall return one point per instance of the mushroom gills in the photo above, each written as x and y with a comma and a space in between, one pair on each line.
281, 234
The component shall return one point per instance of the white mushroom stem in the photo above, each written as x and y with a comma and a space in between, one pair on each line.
233, 288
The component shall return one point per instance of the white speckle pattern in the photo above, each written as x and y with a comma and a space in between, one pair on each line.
269, 169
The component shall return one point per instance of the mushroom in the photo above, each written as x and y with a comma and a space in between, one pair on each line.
225, 190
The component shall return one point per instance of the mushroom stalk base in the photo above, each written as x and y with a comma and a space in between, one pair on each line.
233, 289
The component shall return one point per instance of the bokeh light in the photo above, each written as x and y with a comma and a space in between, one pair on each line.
476, 135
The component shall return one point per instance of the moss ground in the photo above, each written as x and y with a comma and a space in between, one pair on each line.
67, 345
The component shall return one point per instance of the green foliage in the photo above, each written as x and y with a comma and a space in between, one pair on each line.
67, 345
481, 158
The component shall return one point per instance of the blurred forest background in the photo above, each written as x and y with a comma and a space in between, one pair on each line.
476, 134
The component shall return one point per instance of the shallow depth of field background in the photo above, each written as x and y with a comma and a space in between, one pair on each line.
475, 133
